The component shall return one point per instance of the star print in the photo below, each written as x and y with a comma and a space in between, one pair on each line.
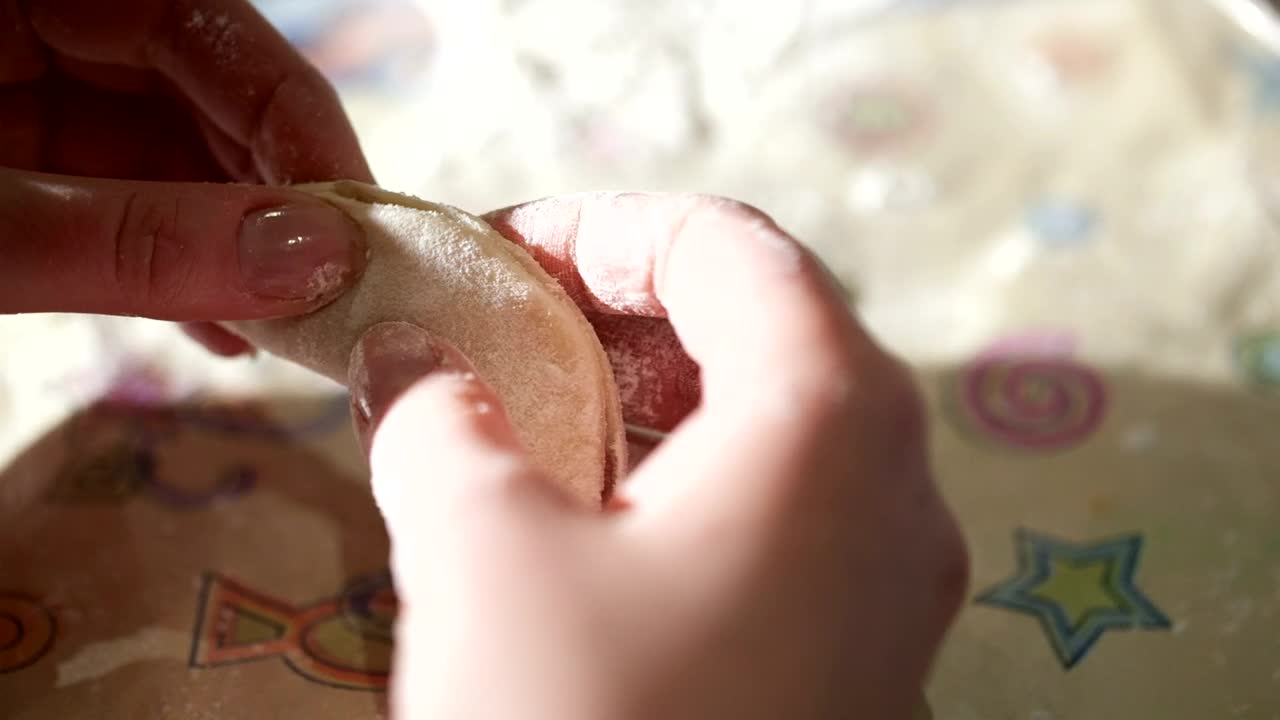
1077, 591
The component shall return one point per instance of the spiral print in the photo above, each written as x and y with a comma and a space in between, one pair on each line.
26, 631
1037, 403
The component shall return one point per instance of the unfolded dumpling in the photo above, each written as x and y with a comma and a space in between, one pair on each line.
451, 274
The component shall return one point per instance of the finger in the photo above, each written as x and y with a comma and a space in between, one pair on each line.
216, 340
228, 60
113, 78
446, 463
68, 126
170, 251
235, 160
21, 126
798, 399
386, 361
658, 383
85, 130
782, 360
68, 121
808, 448
22, 56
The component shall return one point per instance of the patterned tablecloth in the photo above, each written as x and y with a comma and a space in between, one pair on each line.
1062, 212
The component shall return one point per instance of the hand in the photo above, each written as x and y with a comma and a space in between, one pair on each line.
784, 553
98, 96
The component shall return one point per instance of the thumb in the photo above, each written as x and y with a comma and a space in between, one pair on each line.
170, 251
448, 469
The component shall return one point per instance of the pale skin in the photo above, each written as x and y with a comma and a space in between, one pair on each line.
785, 553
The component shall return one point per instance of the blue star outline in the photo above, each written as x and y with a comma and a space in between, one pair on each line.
1072, 640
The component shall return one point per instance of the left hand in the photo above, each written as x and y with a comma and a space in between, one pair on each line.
172, 91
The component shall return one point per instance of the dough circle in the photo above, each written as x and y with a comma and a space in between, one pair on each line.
450, 273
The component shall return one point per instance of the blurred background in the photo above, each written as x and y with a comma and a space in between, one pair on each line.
967, 166
1062, 212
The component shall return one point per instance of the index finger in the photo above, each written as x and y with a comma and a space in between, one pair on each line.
786, 369
245, 77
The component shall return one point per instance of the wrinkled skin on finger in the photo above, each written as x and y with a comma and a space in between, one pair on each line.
181, 90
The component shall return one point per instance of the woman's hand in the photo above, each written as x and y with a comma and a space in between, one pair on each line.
97, 96
784, 553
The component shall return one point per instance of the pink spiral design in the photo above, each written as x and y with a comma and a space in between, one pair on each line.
1040, 403
27, 631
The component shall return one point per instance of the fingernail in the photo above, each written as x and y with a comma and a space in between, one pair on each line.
388, 359
302, 252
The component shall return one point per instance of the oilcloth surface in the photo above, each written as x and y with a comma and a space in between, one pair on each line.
1061, 212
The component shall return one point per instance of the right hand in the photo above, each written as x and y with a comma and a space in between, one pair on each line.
785, 553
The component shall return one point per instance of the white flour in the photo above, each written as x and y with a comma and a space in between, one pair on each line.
451, 274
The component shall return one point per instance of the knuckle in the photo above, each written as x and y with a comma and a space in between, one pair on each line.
316, 85
303, 85
900, 406
296, 98
148, 254
753, 223
862, 391
485, 496
730, 206
497, 482
947, 564
751, 220
888, 398
933, 554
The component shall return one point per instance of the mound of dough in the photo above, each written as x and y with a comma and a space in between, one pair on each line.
451, 274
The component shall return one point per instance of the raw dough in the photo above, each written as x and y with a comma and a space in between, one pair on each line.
451, 274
